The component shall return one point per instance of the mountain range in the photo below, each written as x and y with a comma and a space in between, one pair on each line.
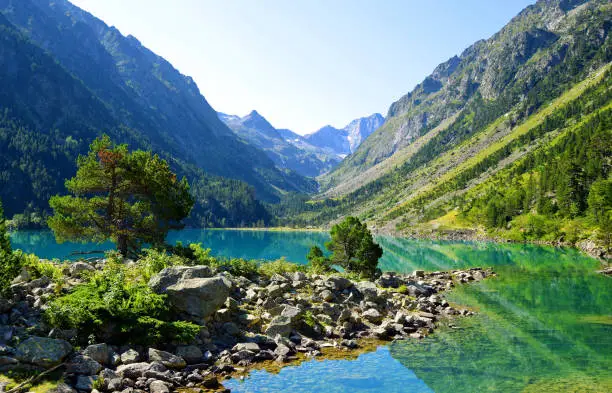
284, 147
310, 155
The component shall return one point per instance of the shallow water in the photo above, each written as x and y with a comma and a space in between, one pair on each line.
545, 324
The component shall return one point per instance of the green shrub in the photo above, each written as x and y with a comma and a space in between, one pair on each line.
155, 261
10, 262
238, 266
280, 266
317, 262
402, 289
117, 305
202, 255
39, 268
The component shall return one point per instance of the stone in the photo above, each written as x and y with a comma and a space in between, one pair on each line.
43, 351
84, 365
372, 315
130, 356
327, 295
76, 269
197, 298
172, 275
158, 387
242, 355
190, 353
274, 290
101, 353
418, 273
133, 370
85, 382
231, 328
283, 350
279, 325
166, 358
253, 347
338, 283
290, 311
366, 288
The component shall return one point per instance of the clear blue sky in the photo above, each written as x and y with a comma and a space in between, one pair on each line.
306, 63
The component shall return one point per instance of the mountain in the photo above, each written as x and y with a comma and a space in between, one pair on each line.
285, 148
512, 137
497, 73
67, 77
346, 140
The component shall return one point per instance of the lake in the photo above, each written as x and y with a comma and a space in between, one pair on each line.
544, 324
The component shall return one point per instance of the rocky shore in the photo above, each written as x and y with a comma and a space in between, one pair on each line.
244, 321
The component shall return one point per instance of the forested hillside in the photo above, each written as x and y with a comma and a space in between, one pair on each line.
516, 141
67, 78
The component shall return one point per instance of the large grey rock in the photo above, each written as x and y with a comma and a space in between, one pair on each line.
372, 315
78, 268
279, 325
172, 275
84, 365
85, 382
158, 387
366, 288
43, 351
190, 292
166, 358
338, 283
133, 370
190, 353
101, 353
130, 356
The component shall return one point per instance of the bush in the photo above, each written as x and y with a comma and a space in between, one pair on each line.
317, 262
280, 266
10, 262
237, 266
154, 261
39, 268
117, 305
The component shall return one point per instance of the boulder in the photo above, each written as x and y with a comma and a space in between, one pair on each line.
190, 353
76, 269
166, 358
253, 347
101, 353
62, 388
372, 315
279, 325
84, 365
197, 298
85, 382
130, 356
158, 387
43, 351
172, 275
338, 283
133, 370
366, 288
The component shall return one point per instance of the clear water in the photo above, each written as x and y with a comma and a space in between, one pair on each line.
545, 324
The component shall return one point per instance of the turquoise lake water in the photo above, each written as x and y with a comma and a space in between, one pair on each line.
543, 325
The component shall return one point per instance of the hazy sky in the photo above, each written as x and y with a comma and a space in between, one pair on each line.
306, 63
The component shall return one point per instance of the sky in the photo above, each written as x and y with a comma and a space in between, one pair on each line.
304, 64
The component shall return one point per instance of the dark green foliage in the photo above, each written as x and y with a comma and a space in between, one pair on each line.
600, 208
10, 262
117, 305
353, 247
317, 261
131, 198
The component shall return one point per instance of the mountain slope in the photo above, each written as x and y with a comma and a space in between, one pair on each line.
488, 79
156, 105
287, 149
543, 115
346, 140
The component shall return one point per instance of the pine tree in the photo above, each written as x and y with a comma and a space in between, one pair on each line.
129, 198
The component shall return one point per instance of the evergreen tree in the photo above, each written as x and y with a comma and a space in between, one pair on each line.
353, 247
130, 198
10, 263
